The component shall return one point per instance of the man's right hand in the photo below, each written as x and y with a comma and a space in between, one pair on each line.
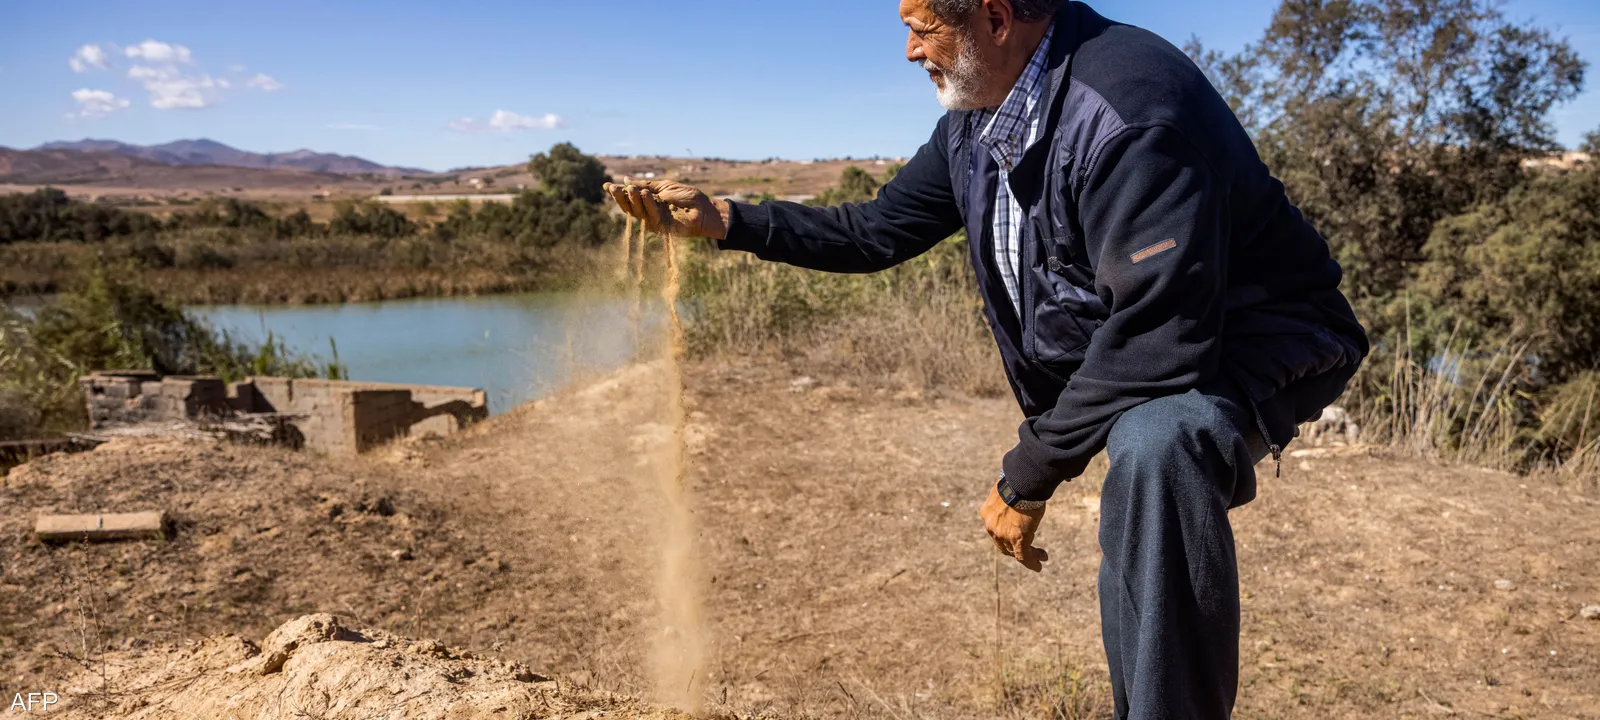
675, 207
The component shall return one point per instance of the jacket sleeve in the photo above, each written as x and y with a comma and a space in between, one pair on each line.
1156, 229
911, 214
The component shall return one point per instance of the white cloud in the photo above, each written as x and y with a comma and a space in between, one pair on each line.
159, 52
88, 57
164, 71
507, 121
265, 83
352, 126
96, 103
170, 89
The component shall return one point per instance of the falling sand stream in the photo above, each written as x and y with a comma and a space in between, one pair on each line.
679, 652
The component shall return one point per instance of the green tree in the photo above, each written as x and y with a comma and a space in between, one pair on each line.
1524, 267
1591, 144
855, 186
569, 174
1383, 117
48, 215
365, 218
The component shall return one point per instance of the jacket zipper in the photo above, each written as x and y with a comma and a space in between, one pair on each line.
1272, 447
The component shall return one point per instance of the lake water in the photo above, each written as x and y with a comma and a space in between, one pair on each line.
28, 304
515, 347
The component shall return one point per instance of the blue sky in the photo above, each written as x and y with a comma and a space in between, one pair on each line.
437, 85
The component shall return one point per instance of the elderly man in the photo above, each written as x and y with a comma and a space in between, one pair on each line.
1152, 291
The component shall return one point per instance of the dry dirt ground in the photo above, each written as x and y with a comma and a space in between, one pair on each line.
319, 666
845, 572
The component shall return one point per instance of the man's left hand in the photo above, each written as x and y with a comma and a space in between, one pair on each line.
1013, 531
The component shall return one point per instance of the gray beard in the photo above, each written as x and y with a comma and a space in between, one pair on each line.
965, 79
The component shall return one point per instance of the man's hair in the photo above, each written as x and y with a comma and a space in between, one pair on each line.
1025, 10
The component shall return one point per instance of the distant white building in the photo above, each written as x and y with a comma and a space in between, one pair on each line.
1562, 161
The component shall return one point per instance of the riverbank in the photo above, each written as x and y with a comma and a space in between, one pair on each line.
515, 347
849, 575
205, 268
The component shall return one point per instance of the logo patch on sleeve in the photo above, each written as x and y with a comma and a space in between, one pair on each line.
1155, 250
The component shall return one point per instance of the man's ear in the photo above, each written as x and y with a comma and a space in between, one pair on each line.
998, 20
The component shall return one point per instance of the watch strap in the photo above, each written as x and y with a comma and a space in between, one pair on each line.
1009, 496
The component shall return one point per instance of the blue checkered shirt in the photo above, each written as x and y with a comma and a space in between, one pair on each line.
1008, 131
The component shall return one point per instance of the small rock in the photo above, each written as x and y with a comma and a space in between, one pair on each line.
400, 554
521, 673
1504, 585
429, 647
802, 384
1590, 613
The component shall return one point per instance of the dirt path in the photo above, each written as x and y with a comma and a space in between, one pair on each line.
849, 574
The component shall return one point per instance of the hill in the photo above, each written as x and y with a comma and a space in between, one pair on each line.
106, 171
211, 152
25, 167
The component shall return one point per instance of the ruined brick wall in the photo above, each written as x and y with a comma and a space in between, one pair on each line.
131, 397
335, 417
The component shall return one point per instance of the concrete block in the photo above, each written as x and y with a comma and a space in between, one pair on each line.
195, 397
276, 394
97, 528
119, 388
375, 417
243, 398
140, 375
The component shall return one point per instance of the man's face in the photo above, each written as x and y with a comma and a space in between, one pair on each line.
951, 55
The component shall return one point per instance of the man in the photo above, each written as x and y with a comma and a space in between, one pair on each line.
1152, 291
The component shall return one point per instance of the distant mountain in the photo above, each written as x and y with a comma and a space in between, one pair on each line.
59, 166
113, 170
211, 152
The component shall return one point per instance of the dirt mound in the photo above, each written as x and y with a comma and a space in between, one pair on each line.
260, 536
321, 666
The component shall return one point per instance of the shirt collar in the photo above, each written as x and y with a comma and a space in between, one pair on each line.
1007, 127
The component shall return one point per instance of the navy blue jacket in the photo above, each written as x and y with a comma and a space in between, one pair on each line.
1158, 252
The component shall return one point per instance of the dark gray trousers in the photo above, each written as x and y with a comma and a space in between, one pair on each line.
1169, 580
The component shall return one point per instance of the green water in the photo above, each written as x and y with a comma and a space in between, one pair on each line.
515, 347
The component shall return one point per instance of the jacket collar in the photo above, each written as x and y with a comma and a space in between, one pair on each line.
1064, 43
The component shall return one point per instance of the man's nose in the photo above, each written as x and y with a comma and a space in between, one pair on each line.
914, 51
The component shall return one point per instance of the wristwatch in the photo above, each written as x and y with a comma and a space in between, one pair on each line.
1010, 498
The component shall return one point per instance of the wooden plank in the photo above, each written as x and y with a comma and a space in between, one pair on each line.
100, 528
16, 452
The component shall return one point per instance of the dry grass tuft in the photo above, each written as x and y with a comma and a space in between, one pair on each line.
918, 326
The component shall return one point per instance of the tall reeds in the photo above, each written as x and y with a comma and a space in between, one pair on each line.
917, 326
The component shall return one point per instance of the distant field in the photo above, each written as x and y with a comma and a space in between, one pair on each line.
162, 188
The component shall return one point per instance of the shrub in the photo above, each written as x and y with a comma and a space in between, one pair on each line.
568, 174
351, 218
48, 215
